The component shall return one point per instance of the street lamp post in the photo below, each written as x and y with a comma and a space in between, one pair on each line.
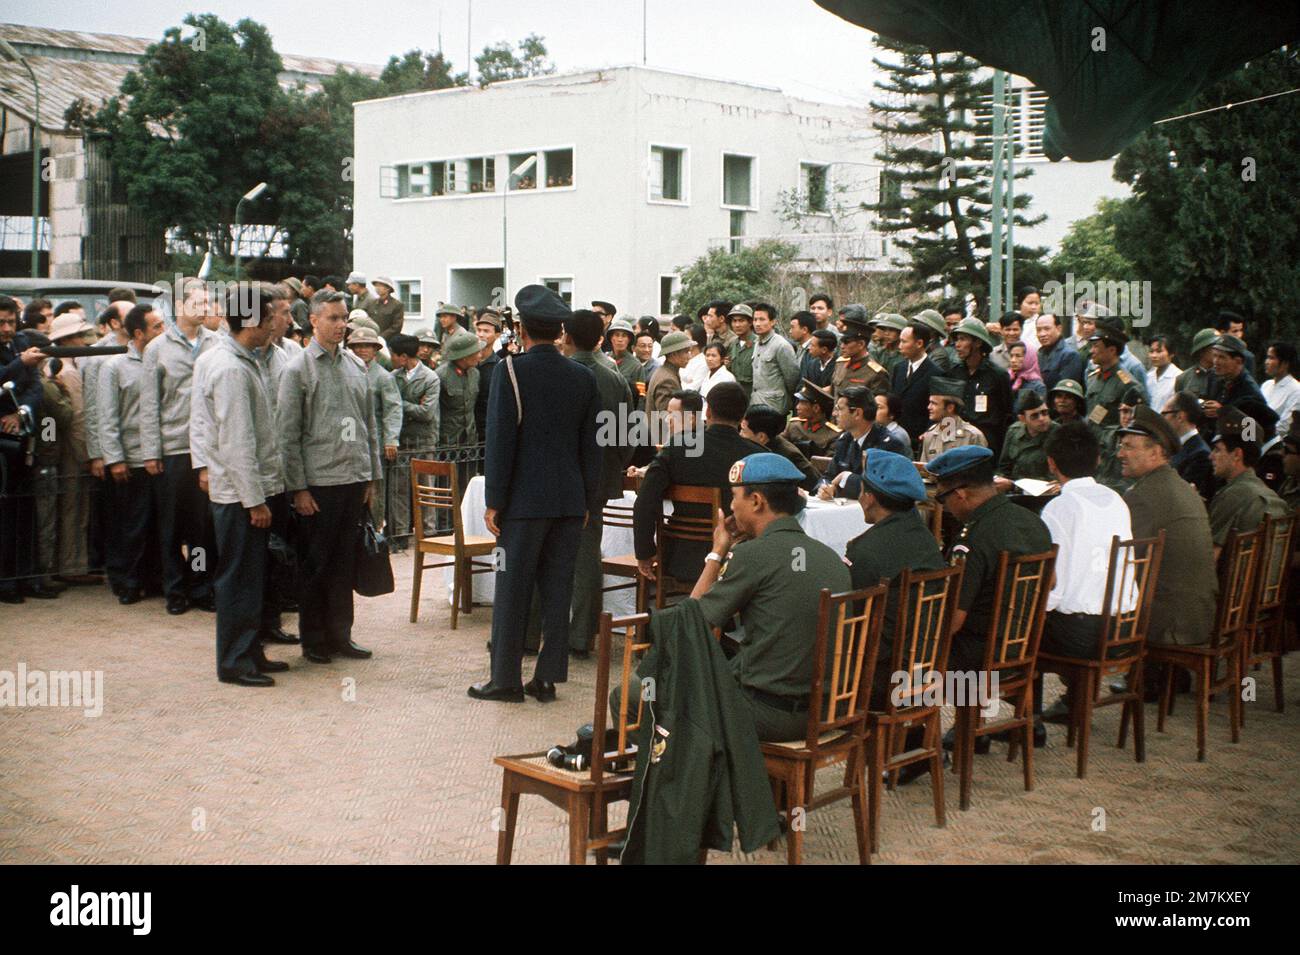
511, 177
249, 196
10, 53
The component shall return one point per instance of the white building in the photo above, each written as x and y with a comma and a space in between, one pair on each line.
621, 176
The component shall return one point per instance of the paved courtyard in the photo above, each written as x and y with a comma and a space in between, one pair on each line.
388, 761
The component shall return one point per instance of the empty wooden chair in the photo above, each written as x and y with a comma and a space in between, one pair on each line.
679, 525
462, 549
618, 514
1237, 569
1010, 652
837, 718
923, 634
1265, 635
1131, 578
586, 794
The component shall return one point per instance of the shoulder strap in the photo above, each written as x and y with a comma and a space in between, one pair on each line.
514, 383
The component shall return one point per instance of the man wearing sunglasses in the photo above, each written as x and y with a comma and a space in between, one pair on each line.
1023, 451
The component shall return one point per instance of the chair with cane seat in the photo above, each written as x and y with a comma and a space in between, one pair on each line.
1240, 560
837, 718
461, 548
1010, 654
683, 524
1126, 613
1265, 634
585, 794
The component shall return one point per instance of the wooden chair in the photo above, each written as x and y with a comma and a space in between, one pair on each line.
837, 718
1265, 635
460, 548
585, 795
1240, 560
932, 513
1134, 569
618, 513
922, 636
1010, 652
676, 526
821, 462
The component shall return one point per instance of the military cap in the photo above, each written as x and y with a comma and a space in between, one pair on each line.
427, 337
609, 309
620, 325
675, 342
355, 278
1203, 340
294, 284
446, 308
363, 321
891, 320
385, 280
1089, 309
1070, 387
1151, 423
541, 305
821, 396
949, 389
932, 320
891, 475
461, 345
855, 314
1231, 344
1109, 330
953, 463
742, 310
1234, 420
489, 316
1028, 400
360, 335
763, 468
976, 329
357, 313
1132, 397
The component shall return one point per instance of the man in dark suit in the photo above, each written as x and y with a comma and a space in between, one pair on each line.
695, 458
542, 483
911, 380
855, 413
1192, 460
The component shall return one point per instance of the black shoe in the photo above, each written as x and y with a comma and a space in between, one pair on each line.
41, 591
278, 635
487, 690
914, 771
177, 605
265, 665
316, 656
248, 679
1058, 712
352, 651
540, 690
12, 597
127, 597
1040, 735
982, 743
531, 651
205, 603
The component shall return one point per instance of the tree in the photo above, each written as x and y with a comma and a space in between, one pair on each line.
499, 62
416, 70
1088, 251
759, 272
935, 194
1211, 222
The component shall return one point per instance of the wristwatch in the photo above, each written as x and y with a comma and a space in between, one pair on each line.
712, 555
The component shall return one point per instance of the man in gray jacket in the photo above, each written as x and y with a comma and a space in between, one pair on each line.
364, 343
232, 433
329, 439
118, 419
183, 520
420, 390
112, 334
775, 367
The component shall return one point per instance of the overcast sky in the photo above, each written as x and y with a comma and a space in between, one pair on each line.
792, 44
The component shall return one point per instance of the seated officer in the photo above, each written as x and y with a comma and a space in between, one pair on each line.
855, 412
1243, 500
810, 430
749, 572
1023, 454
948, 429
763, 425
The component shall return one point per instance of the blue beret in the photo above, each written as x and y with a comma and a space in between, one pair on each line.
891, 475
537, 303
765, 468
953, 462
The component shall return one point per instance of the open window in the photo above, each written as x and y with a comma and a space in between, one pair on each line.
559, 168
667, 174
814, 185
738, 181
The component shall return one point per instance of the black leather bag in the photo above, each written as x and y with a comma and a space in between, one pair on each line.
373, 575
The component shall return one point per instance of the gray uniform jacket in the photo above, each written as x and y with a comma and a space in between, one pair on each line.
326, 420
232, 426
776, 372
388, 403
90, 374
420, 390
165, 391
117, 414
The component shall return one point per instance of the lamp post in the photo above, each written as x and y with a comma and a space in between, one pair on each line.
7, 49
511, 177
249, 196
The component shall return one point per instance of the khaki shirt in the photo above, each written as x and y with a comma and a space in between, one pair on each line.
817, 439
1241, 505
863, 370
951, 432
389, 316
1104, 391
1023, 455
459, 391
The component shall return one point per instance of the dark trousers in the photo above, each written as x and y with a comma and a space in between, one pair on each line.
184, 519
240, 576
130, 523
101, 506
272, 599
1067, 635
17, 524
537, 552
327, 542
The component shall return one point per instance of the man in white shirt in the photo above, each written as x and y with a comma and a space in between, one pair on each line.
1281, 390
696, 371
1162, 373
1082, 519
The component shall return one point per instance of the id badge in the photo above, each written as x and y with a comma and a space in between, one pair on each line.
981, 404
1098, 414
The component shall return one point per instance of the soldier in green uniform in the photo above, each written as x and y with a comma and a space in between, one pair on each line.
942, 354
740, 357
1199, 379
1068, 401
855, 366
621, 335
949, 430
428, 349
1023, 452
810, 430
889, 325
459, 379
1243, 501
1108, 381
387, 400
385, 308
988, 387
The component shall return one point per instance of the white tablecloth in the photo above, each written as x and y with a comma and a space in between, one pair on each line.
833, 523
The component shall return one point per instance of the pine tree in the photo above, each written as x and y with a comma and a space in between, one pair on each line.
935, 194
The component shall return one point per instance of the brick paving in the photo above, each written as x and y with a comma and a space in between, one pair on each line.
181, 768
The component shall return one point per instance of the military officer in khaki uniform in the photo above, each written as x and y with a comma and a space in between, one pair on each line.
949, 430
855, 366
811, 430
1108, 381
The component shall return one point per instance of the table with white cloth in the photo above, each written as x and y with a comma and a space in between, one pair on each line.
834, 523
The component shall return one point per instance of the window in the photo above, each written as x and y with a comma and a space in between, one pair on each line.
814, 182
559, 168
738, 181
562, 287
525, 177
410, 294
667, 174
1025, 121
737, 232
668, 286
414, 179
480, 174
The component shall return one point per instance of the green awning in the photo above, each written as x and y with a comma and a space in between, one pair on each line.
1158, 54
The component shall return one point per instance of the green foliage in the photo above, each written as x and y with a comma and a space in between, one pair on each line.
757, 272
1088, 251
499, 62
